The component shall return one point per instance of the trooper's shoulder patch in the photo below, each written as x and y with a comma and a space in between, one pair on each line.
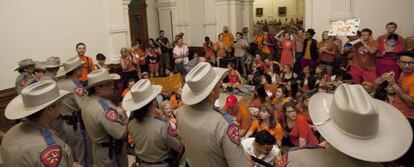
111, 115
79, 91
22, 82
51, 156
233, 133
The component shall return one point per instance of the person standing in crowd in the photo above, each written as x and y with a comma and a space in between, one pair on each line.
240, 53
390, 27
387, 56
288, 49
165, 49
154, 139
218, 144
355, 127
363, 55
139, 55
152, 53
221, 49
228, 39
262, 149
310, 50
101, 62
209, 50
69, 124
104, 121
52, 67
246, 34
299, 39
32, 142
129, 67
404, 97
89, 65
180, 56
327, 52
25, 69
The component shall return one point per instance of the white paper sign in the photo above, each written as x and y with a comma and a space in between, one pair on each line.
345, 28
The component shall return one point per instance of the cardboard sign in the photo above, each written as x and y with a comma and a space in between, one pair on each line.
169, 83
344, 28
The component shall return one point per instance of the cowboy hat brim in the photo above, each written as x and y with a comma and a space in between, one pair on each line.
112, 77
24, 66
190, 98
129, 104
16, 110
53, 66
393, 139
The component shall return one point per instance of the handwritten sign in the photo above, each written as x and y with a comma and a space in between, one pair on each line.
169, 83
345, 28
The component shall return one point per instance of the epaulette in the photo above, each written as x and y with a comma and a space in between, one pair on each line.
226, 116
161, 119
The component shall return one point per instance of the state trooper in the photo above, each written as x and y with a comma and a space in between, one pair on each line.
210, 136
25, 69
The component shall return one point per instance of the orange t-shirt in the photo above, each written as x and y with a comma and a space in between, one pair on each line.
125, 92
242, 116
407, 86
301, 129
174, 102
330, 46
277, 131
87, 68
361, 58
228, 39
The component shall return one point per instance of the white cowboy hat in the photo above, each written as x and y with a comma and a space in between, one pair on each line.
140, 95
25, 63
34, 98
360, 126
53, 62
99, 76
200, 81
40, 66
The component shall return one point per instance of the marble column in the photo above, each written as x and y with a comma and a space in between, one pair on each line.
340, 10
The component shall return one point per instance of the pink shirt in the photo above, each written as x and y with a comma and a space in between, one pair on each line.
128, 64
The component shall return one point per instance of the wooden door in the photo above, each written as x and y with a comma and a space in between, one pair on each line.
138, 21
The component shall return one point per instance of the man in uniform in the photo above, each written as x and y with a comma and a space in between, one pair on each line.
210, 136
360, 131
39, 71
32, 142
156, 141
104, 121
52, 67
69, 123
25, 69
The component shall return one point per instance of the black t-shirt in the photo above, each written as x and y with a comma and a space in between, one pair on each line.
164, 41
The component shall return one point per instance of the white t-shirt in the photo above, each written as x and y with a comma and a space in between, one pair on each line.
248, 148
182, 52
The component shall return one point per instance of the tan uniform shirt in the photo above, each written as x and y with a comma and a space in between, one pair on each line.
24, 145
22, 80
209, 139
102, 122
154, 139
72, 133
72, 102
320, 157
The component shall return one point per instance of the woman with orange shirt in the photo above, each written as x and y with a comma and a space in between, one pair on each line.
220, 49
288, 50
297, 131
267, 122
327, 52
139, 55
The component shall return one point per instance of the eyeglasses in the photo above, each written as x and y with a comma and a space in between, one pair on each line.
410, 63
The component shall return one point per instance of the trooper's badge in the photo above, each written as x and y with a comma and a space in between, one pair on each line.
51, 156
233, 133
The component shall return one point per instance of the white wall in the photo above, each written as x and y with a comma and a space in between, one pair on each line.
196, 20
271, 7
152, 18
384, 11
40, 29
